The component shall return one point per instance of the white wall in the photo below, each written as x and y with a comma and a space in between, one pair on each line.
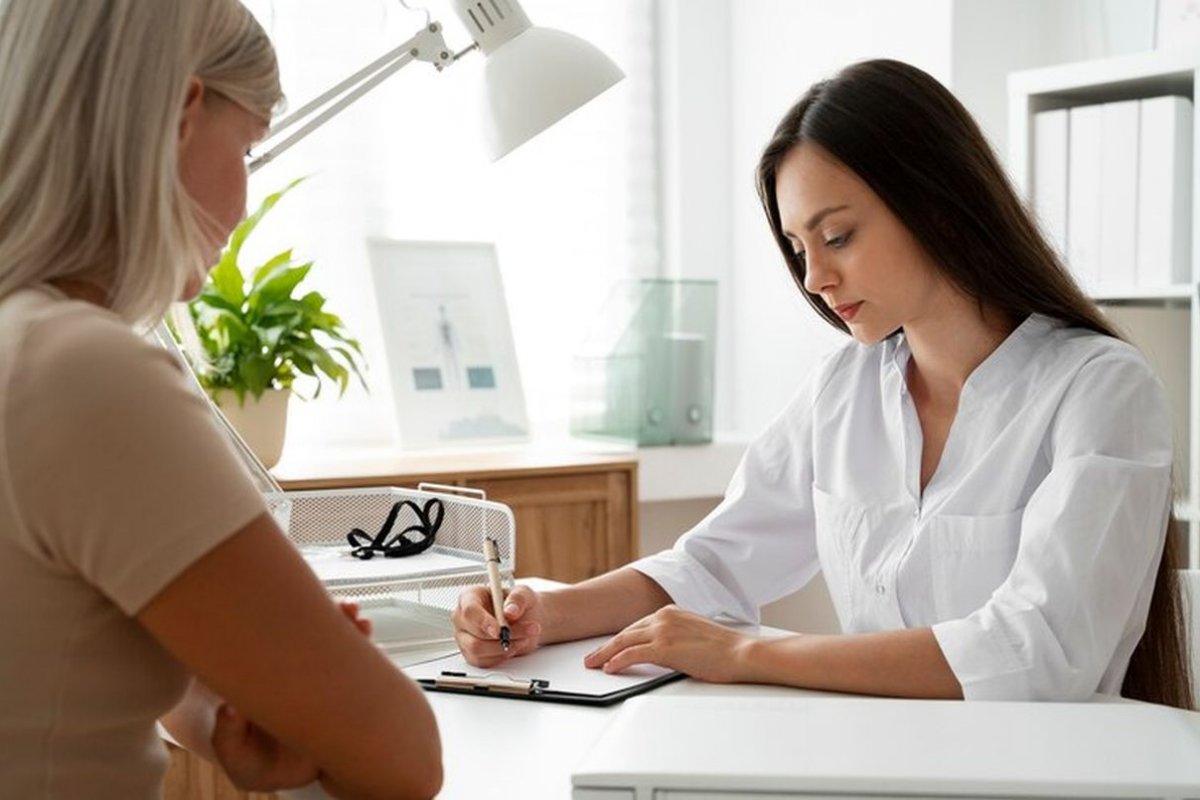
990, 40
695, 147
778, 49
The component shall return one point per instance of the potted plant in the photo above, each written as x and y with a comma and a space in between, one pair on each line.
256, 338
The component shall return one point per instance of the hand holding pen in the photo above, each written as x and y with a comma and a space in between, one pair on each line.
477, 624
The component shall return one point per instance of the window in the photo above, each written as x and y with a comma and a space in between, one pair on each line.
570, 212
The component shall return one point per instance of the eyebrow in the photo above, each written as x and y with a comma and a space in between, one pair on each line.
816, 218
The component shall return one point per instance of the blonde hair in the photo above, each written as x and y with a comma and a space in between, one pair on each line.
90, 109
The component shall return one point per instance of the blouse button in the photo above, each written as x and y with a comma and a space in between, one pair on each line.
880, 589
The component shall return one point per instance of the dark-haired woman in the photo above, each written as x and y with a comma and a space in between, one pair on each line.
983, 473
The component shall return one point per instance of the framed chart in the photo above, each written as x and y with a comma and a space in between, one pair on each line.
449, 344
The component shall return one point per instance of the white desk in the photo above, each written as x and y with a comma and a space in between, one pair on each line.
495, 748
505, 748
817, 748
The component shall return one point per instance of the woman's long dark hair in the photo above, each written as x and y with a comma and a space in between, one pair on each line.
909, 139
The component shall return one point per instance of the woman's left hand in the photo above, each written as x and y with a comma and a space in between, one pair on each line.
678, 640
253, 758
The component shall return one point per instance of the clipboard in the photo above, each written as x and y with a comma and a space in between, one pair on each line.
552, 674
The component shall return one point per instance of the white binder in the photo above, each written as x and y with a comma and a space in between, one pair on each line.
1050, 136
1083, 192
1119, 193
1164, 192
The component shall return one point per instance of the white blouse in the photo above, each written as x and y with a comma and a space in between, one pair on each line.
1033, 550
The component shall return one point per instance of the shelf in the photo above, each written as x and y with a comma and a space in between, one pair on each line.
338, 467
1118, 294
1125, 77
664, 473
1159, 320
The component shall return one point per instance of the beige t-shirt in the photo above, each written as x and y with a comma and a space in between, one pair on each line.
114, 477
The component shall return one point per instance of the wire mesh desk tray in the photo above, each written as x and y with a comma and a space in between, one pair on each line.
408, 599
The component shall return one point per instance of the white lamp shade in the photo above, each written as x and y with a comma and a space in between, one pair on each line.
536, 79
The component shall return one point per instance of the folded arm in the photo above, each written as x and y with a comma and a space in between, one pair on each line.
251, 621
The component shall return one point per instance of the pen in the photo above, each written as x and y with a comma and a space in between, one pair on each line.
493, 568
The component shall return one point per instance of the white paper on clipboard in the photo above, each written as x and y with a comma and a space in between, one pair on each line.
560, 665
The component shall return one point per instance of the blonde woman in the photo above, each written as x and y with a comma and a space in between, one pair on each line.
137, 562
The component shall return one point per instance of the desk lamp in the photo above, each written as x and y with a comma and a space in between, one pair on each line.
533, 77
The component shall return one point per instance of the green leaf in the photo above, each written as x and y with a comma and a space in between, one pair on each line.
304, 365
255, 373
209, 318
313, 301
282, 258
277, 285
270, 337
247, 226
286, 313
352, 362
228, 282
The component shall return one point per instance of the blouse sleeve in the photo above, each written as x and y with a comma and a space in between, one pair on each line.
758, 545
1091, 537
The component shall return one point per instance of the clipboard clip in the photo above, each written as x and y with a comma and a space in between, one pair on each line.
488, 684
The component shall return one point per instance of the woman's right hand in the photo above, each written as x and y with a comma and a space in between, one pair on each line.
478, 632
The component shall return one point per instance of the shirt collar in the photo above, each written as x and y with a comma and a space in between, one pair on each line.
996, 370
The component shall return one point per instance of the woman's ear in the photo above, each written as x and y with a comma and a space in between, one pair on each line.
192, 102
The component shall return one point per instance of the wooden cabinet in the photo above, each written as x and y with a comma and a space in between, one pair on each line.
569, 527
576, 516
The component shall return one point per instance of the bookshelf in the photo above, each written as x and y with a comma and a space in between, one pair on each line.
1162, 319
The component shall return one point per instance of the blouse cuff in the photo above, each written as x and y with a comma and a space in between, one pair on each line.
692, 588
984, 662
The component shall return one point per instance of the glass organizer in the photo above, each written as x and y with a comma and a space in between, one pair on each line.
645, 373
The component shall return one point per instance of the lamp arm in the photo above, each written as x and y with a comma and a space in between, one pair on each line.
427, 45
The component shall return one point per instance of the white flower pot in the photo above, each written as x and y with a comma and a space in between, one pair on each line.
261, 421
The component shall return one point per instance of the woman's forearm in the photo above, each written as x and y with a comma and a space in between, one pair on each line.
903, 663
600, 605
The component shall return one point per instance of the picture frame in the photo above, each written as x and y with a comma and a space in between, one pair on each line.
452, 363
